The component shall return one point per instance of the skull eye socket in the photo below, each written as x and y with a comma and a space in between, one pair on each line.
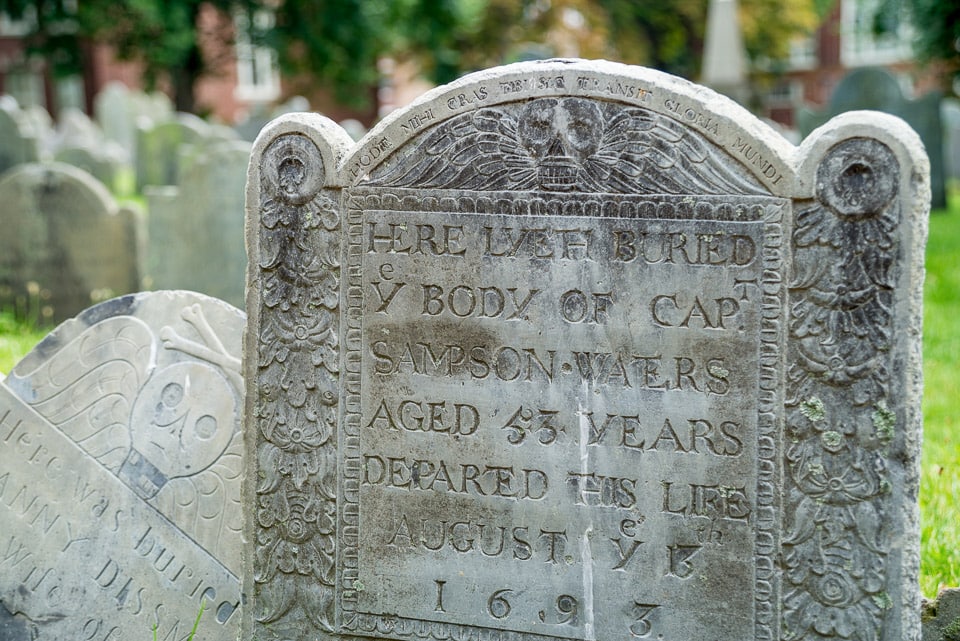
580, 135
206, 427
584, 124
172, 394
537, 125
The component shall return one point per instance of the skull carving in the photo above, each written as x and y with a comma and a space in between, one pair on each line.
560, 135
182, 421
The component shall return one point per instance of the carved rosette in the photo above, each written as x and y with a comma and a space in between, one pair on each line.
296, 403
839, 426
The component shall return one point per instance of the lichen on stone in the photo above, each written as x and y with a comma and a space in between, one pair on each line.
884, 421
952, 631
718, 372
883, 601
813, 409
831, 439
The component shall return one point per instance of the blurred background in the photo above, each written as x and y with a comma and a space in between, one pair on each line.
233, 60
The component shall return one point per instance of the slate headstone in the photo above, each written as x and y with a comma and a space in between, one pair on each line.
878, 89
105, 161
159, 146
41, 124
116, 112
120, 460
76, 129
950, 114
578, 350
66, 243
195, 231
18, 139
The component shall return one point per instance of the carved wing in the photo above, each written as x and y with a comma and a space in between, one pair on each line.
644, 151
87, 388
207, 505
479, 150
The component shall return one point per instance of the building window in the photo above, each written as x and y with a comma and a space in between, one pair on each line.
803, 53
258, 75
862, 44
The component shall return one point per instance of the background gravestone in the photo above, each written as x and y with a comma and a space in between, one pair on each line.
119, 483
116, 108
66, 243
950, 113
195, 230
76, 129
875, 88
159, 146
583, 351
18, 140
105, 162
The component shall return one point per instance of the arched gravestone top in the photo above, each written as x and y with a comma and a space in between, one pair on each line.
66, 244
580, 350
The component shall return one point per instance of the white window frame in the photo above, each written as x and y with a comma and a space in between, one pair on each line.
258, 73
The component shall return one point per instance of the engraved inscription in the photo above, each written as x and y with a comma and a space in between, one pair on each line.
621, 427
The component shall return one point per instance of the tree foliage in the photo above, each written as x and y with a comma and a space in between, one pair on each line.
936, 24
337, 43
165, 36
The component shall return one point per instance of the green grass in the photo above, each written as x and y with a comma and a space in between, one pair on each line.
16, 339
940, 476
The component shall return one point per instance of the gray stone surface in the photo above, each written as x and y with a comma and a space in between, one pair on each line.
105, 161
159, 147
583, 351
950, 114
941, 617
117, 110
66, 243
18, 139
120, 463
195, 231
76, 129
875, 88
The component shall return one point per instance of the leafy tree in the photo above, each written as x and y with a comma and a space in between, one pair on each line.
935, 25
166, 37
338, 42
669, 36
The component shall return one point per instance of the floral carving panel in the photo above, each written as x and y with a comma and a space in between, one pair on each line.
836, 541
296, 404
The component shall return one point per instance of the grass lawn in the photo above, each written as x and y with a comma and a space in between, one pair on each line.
940, 481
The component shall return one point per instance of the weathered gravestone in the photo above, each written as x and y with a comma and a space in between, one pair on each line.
875, 88
159, 148
66, 243
120, 463
195, 230
18, 139
583, 351
105, 161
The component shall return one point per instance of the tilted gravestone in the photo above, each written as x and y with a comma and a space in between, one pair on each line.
195, 230
875, 88
120, 463
66, 243
583, 351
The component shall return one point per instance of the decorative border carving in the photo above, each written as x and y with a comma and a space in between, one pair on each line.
297, 392
835, 539
566, 144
